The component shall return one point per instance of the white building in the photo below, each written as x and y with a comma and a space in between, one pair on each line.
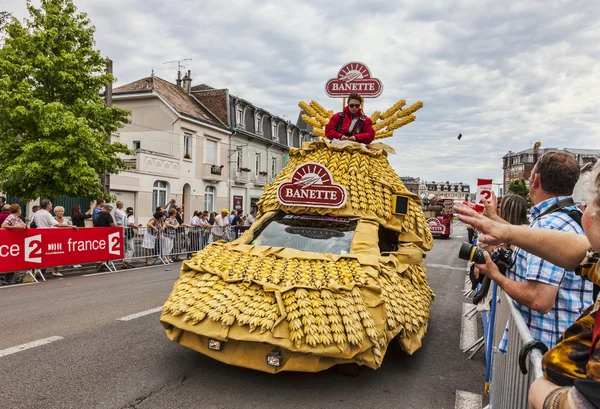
259, 145
181, 149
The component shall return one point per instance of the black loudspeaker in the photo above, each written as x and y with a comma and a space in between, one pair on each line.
400, 205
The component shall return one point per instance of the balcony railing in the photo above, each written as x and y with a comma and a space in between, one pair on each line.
215, 170
212, 173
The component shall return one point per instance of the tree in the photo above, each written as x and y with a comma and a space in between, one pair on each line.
54, 125
519, 187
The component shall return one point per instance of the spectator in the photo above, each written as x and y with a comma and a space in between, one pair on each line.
98, 208
13, 221
171, 205
152, 233
170, 228
575, 361
128, 234
5, 212
120, 216
104, 218
35, 208
351, 124
77, 218
549, 297
59, 213
513, 209
43, 219
251, 218
220, 225
196, 231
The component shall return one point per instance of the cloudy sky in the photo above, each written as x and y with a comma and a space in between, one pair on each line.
504, 74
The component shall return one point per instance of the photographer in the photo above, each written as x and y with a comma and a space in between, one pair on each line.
575, 361
549, 298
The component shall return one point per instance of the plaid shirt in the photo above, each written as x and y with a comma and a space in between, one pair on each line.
574, 293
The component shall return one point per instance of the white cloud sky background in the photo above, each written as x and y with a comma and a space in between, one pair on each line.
504, 74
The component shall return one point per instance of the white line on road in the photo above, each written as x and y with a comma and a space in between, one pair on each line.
139, 314
468, 328
23, 347
16, 285
432, 265
468, 400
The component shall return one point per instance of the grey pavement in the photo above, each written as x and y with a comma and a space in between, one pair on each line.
101, 362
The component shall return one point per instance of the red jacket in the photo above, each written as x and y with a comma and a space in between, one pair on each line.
366, 135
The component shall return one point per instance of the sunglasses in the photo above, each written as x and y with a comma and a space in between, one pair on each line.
354, 105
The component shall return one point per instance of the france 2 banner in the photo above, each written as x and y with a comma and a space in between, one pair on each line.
42, 248
484, 190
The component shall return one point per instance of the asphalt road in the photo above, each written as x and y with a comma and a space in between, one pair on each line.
98, 361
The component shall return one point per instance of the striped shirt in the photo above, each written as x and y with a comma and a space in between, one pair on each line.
574, 293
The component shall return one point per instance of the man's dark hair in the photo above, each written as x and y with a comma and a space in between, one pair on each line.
35, 208
355, 96
559, 172
44, 203
99, 202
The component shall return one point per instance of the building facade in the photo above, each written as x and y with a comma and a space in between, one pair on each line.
519, 165
259, 144
180, 150
446, 190
412, 184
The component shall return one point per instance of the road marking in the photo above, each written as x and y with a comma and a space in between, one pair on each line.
468, 400
459, 237
29, 345
468, 328
444, 266
16, 285
139, 314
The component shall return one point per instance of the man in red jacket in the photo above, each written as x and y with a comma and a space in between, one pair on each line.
351, 124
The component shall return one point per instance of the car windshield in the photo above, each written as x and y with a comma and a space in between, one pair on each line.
321, 234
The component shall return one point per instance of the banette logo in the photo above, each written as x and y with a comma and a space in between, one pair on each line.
435, 225
354, 77
312, 186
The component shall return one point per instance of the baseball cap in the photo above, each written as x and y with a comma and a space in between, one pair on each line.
224, 211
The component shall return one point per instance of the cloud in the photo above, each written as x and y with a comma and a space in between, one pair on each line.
503, 74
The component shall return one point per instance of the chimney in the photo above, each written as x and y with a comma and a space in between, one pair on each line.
178, 81
187, 82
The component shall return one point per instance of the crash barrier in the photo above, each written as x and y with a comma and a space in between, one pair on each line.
512, 373
34, 249
162, 246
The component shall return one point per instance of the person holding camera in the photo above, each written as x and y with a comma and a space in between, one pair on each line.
549, 297
572, 367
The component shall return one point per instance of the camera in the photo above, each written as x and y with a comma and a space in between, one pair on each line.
473, 253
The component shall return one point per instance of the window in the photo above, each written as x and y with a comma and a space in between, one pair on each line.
274, 134
187, 146
238, 160
257, 163
209, 199
240, 118
137, 145
307, 233
159, 194
259, 125
273, 166
210, 152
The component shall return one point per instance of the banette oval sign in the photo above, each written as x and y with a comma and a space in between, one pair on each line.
354, 77
312, 186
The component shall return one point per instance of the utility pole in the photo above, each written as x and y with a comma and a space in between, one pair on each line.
108, 101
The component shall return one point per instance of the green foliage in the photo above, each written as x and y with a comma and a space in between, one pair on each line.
54, 125
519, 187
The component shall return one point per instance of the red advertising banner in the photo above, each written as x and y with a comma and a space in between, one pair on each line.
42, 248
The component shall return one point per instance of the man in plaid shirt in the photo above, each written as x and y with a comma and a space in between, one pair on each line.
550, 298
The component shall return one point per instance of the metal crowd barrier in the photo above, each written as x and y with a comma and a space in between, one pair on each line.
144, 244
512, 373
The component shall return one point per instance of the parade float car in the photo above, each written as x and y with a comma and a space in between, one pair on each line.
439, 216
330, 273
